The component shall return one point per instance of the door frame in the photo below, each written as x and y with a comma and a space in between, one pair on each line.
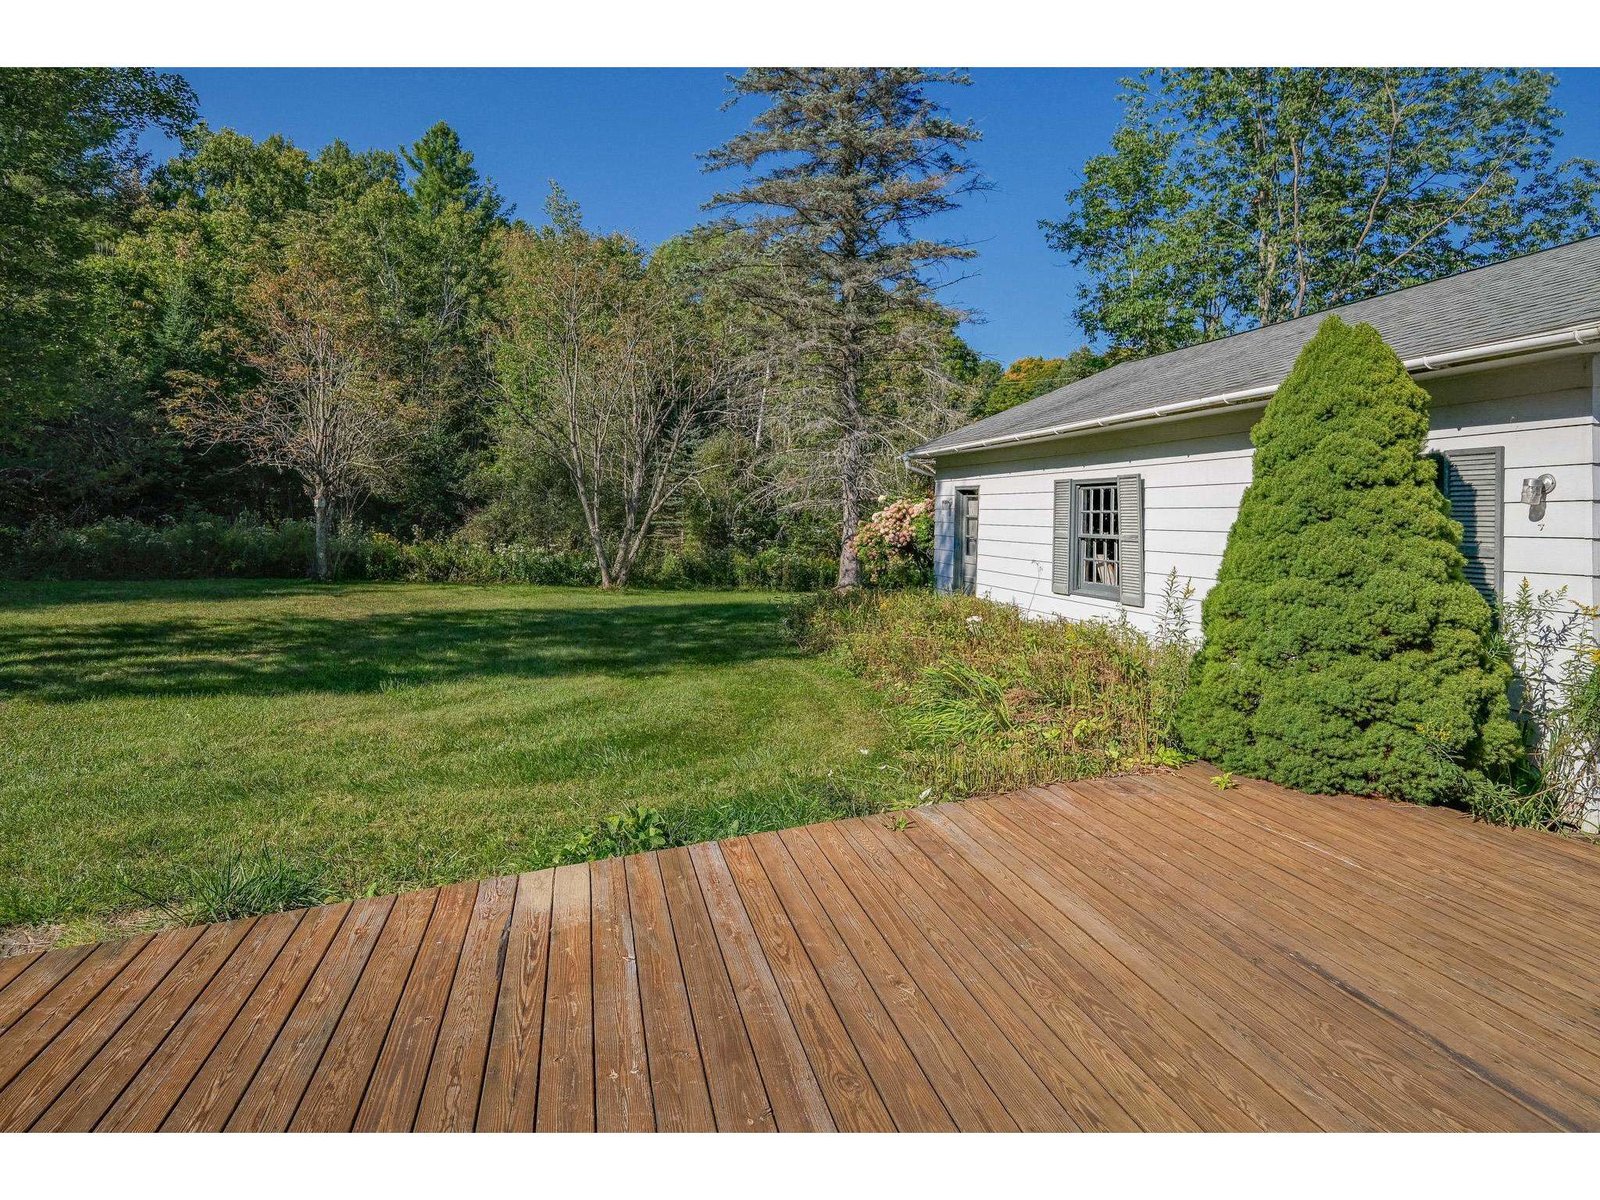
958, 578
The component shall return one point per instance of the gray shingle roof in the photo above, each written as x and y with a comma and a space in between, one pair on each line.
1537, 293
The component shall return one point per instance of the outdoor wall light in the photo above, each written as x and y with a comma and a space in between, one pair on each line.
1533, 493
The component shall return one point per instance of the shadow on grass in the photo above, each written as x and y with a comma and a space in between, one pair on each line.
306, 653
43, 595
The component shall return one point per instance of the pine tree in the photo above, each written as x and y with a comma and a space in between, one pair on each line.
446, 272
1344, 649
854, 158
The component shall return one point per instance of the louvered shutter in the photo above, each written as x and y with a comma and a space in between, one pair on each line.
1130, 530
1473, 481
1061, 529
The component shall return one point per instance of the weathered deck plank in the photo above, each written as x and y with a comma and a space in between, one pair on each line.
1137, 953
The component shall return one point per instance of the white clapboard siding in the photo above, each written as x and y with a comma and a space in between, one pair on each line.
1561, 519
1548, 556
1543, 417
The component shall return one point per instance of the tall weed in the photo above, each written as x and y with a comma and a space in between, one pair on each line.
986, 698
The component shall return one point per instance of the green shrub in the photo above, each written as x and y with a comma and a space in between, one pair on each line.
773, 568
208, 547
987, 699
632, 831
456, 560
195, 547
1344, 650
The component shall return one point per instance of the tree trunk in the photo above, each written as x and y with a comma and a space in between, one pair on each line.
850, 498
852, 464
323, 513
849, 561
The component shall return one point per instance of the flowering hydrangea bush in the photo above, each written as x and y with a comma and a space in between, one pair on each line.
895, 544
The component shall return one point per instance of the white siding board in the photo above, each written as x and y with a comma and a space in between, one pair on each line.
1515, 382
1195, 471
1562, 519
1548, 556
1186, 519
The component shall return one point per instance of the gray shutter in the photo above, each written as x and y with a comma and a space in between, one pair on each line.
1130, 528
1061, 530
1473, 481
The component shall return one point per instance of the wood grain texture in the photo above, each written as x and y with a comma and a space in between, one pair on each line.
1134, 953
566, 1062
394, 1092
511, 1073
339, 1084
621, 1057
455, 1077
677, 1077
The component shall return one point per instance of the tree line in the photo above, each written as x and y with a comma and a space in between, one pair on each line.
247, 326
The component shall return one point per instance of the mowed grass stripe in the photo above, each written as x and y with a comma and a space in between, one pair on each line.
391, 737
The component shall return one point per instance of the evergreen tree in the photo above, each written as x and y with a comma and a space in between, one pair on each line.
852, 160
1344, 649
445, 273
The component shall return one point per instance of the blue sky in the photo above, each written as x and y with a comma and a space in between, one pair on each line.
624, 144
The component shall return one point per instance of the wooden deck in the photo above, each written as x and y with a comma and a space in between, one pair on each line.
1142, 953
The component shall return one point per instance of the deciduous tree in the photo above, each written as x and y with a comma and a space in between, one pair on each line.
1237, 197
607, 367
1031, 377
319, 404
72, 175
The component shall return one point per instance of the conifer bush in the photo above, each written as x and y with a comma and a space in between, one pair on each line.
1344, 649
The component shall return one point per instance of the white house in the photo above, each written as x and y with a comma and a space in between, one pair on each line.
1084, 499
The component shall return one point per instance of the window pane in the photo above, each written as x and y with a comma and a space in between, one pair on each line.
1097, 535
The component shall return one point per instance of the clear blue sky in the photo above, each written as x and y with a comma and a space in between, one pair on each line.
624, 144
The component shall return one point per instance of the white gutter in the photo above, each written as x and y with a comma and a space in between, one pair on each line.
1570, 339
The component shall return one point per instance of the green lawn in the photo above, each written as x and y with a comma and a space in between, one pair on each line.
394, 735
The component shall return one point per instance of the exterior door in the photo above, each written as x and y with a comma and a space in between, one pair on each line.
967, 540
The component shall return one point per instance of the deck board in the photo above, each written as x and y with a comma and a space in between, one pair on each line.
511, 1071
339, 1084
157, 1085
455, 1077
622, 1101
1144, 952
1400, 970
677, 1075
394, 1093
566, 1064
738, 1096
279, 1084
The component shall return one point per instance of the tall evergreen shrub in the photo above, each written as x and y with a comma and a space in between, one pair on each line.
1344, 649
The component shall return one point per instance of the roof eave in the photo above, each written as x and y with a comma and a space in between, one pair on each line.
1565, 340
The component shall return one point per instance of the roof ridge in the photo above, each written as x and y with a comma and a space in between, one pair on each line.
1523, 302
1334, 309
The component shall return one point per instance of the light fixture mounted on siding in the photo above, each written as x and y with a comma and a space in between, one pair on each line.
1534, 491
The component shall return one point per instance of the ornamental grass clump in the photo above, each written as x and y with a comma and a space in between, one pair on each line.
1343, 648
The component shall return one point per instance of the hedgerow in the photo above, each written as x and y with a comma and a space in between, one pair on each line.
210, 547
